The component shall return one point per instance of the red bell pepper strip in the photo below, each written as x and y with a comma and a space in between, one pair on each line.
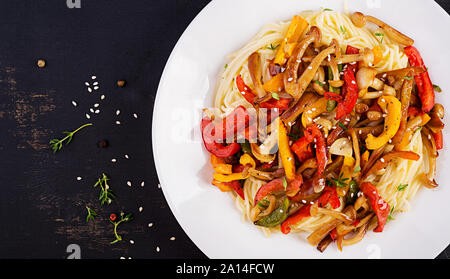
236, 186
233, 123
333, 234
278, 185
302, 148
303, 212
423, 81
313, 133
269, 165
249, 95
413, 112
439, 139
245, 90
352, 50
332, 96
349, 94
218, 149
379, 206
329, 195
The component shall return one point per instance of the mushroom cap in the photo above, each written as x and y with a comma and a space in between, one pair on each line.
358, 19
317, 34
365, 77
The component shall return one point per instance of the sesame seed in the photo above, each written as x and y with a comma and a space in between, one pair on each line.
135, 115
113, 160
90, 90
157, 249
131, 241
117, 112
94, 77
95, 83
129, 183
91, 110
86, 83
353, 82
142, 184
303, 201
74, 103
290, 79
140, 209
150, 225
102, 97
382, 160
88, 116
122, 258
310, 67
118, 122
159, 186
79, 178
96, 87
172, 238
97, 111
311, 202
96, 105
126, 156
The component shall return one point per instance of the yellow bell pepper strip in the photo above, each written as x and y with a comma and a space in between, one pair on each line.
346, 175
319, 107
393, 108
287, 158
223, 186
295, 30
377, 54
275, 84
244, 160
220, 166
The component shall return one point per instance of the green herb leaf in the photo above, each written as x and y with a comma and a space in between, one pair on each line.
285, 183
340, 182
342, 126
402, 187
437, 88
91, 214
123, 218
319, 83
226, 66
408, 78
272, 47
357, 169
106, 195
275, 96
57, 144
389, 218
380, 35
343, 30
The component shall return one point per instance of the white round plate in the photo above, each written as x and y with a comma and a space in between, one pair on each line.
208, 216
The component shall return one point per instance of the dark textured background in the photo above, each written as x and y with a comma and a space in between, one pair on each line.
42, 205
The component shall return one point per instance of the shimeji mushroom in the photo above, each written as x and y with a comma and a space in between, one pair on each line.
360, 20
365, 78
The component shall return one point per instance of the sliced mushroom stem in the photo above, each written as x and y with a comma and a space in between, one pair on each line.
255, 70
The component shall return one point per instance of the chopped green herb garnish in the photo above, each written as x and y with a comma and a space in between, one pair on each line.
226, 66
343, 30
408, 78
319, 83
357, 169
272, 47
284, 183
343, 126
263, 203
389, 218
340, 182
380, 35
437, 88
275, 96
402, 187
325, 9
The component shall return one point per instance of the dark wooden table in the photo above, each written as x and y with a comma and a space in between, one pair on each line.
42, 203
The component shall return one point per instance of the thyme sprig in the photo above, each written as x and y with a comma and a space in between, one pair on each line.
272, 47
106, 195
123, 218
91, 214
340, 182
57, 144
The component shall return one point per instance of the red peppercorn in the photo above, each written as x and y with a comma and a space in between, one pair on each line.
112, 217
